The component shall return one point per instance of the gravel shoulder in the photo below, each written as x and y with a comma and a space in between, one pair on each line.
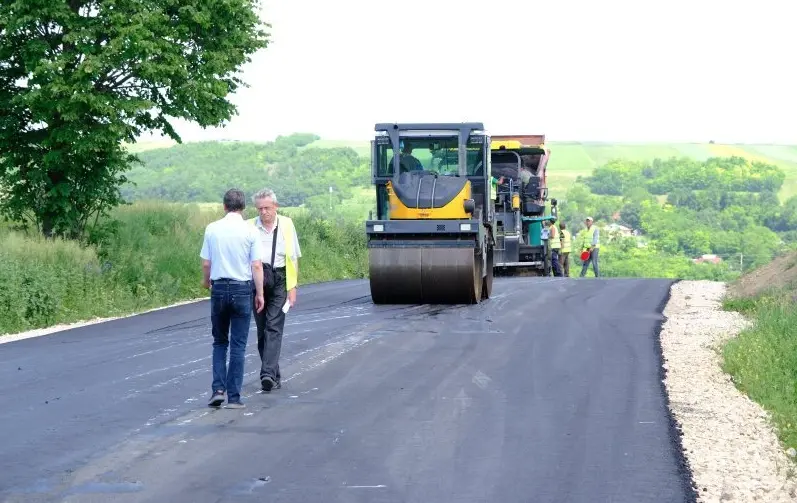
729, 443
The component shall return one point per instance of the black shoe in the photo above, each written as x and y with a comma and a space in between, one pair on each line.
267, 383
217, 399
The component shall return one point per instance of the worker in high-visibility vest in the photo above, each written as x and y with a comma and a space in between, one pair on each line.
555, 244
590, 242
565, 252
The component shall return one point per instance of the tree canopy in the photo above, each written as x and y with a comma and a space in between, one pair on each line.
723, 206
80, 77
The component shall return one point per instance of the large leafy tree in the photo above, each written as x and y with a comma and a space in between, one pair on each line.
78, 78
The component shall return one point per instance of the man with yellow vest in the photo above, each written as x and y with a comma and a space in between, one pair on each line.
280, 275
589, 239
566, 246
555, 243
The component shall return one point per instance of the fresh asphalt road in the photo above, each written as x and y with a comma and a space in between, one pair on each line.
548, 392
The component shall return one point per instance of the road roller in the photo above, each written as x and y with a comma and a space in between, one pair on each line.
519, 162
431, 240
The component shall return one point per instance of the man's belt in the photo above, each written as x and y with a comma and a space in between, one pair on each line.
230, 281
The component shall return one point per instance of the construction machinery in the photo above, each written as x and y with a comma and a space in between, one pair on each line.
431, 241
519, 162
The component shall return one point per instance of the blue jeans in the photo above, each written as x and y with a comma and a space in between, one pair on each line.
593, 257
555, 266
230, 316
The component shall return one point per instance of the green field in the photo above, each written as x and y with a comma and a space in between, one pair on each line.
570, 160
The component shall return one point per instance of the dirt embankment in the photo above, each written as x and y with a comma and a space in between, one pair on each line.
780, 274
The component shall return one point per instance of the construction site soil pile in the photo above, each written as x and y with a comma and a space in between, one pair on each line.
780, 274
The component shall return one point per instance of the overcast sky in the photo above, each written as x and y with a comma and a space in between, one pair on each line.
614, 70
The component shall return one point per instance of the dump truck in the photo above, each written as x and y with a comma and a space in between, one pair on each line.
431, 240
520, 162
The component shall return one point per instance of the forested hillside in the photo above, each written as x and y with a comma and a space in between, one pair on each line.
572, 159
201, 172
195, 171
681, 207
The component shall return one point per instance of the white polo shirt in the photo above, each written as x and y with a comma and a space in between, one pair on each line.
231, 245
267, 239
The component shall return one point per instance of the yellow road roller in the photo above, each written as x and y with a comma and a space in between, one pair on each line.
431, 241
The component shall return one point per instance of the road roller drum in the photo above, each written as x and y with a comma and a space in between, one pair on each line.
425, 275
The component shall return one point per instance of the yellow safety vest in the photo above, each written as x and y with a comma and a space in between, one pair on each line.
287, 230
586, 238
565, 241
553, 238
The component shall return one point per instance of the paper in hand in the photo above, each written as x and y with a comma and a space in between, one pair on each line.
286, 306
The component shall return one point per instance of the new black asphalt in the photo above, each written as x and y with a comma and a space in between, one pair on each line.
549, 392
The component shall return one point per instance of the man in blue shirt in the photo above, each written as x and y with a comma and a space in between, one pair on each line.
231, 261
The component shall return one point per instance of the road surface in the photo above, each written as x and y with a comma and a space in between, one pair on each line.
550, 391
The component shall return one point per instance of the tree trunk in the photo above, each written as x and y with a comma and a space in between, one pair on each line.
47, 215
47, 225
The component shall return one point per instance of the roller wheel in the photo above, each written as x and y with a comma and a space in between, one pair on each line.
487, 285
425, 275
478, 267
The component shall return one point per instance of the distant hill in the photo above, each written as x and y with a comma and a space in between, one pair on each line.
572, 159
569, 160
201, 172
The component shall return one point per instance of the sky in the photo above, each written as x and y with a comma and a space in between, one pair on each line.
610, 70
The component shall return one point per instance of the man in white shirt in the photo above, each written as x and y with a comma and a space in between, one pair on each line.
231, 262
281, 252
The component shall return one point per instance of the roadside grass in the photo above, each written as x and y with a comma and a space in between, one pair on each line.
145, 256
762, 359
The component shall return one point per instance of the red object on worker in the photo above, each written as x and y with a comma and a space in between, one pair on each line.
585, 255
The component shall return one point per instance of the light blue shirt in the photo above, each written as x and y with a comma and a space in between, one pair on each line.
231, 245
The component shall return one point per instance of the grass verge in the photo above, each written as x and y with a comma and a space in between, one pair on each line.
145, 256
763, 358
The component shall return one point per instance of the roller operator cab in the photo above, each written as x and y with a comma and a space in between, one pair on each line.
430, 241
521, 205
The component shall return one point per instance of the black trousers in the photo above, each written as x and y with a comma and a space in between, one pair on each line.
270, 323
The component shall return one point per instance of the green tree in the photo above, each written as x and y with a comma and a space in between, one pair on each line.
616, 177
80, 77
